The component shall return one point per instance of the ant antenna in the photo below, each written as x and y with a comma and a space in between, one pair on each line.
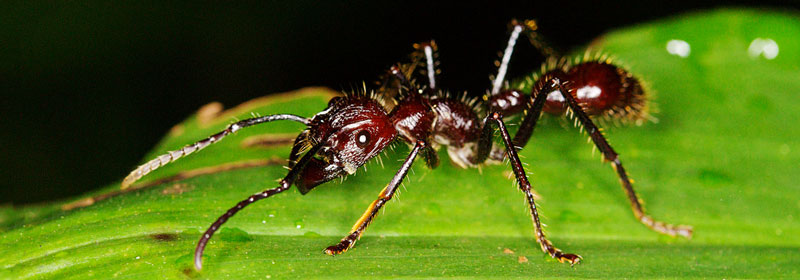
285, 184
171, 156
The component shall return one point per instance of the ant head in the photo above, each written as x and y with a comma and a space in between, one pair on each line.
354, 129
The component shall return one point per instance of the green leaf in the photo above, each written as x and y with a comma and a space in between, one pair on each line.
723, 158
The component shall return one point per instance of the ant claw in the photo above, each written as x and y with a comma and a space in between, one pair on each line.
331, 251
338, 248
571, 258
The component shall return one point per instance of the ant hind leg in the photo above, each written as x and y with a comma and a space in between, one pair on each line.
609, 155
539, 94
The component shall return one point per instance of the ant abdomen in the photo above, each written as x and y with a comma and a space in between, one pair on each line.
602, 88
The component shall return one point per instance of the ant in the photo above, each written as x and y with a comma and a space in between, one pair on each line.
358, 126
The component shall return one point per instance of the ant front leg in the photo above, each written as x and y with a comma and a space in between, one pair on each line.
524, 184
385, 195
609, 155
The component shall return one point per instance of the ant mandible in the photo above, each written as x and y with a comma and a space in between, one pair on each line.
356, 127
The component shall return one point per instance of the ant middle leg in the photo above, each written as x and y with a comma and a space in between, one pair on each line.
399, 81
386, 194
429, 51
484, 147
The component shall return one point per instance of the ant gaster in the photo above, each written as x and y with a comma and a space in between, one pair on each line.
357, 127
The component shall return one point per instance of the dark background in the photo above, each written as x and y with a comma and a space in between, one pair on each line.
88, 88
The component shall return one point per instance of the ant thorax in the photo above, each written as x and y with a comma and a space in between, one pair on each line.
441, 120
356, 128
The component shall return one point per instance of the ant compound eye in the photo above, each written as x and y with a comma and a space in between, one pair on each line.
362, 138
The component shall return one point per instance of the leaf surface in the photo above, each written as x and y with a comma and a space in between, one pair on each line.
722, 157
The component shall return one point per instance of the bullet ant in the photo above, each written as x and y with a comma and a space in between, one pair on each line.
358, 126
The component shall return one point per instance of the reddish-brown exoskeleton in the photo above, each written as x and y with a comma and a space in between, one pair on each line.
357, 127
